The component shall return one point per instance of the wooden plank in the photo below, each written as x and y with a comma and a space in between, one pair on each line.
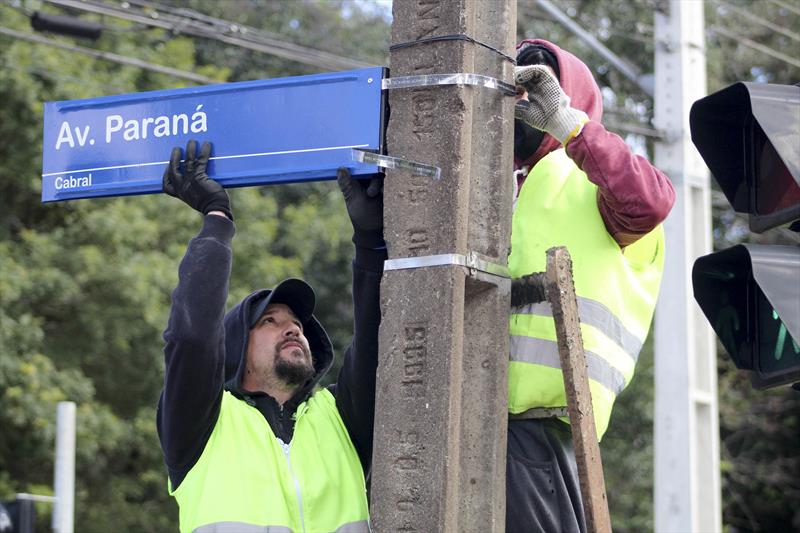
560, 290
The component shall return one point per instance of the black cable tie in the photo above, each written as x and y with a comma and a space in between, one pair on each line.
453, 37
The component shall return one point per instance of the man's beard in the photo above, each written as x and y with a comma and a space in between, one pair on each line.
292, 371
526, 140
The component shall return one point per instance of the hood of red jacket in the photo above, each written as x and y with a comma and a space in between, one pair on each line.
578, 82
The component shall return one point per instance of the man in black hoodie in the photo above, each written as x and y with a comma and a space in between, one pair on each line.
249, 438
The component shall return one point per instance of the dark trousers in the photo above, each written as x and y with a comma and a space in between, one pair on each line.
543, 491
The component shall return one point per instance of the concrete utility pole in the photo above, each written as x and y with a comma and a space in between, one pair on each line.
687, 485
441, 412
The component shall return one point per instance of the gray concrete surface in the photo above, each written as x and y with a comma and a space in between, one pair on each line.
441, 414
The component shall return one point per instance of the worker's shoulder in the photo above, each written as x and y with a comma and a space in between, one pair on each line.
323, 394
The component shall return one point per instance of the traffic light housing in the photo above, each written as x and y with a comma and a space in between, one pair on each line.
749, 136
18, 516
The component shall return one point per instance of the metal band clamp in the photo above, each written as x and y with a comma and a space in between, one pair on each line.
472, 260
387, 161
460, 78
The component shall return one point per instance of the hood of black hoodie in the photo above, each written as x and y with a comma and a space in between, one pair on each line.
237, 335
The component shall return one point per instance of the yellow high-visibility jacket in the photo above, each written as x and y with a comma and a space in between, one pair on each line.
616, 290
247, 480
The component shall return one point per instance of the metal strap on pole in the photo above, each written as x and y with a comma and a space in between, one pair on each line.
387, 161
458, 78
472, 260
427, 80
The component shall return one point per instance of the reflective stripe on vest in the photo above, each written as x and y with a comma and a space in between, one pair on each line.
595, 314
544, 352
616, 290
361, 526
247, 480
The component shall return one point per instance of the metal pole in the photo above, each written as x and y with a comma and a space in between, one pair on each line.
64, 475
686, 443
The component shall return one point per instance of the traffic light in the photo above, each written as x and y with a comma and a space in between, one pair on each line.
18, 516
749, 136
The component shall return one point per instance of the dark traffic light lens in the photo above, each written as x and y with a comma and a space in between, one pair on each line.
775, 189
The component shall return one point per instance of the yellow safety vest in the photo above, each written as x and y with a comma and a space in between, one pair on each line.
248, 481
616, 290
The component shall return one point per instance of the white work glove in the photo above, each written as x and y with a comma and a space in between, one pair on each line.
547, 107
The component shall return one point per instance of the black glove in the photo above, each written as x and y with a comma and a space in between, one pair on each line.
365, 207
194, 186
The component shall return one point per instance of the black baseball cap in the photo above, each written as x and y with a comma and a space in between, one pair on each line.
295, 293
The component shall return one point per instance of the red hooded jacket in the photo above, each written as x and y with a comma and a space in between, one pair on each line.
633, 196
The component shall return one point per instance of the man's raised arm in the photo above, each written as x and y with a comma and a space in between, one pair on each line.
195, 351
355, 389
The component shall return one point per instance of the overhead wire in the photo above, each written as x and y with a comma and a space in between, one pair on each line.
754, 45
108, 56
788, 7
182, 20
622, 65
56, 77
631, 37
19, 7
28, 12
635, 129
758, 20
248, 32
215, 29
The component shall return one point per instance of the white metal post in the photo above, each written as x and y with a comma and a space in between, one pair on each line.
687, 484
64, 475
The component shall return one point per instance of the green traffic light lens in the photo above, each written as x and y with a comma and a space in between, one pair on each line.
777, 350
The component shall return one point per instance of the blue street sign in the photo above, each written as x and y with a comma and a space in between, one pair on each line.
269, 131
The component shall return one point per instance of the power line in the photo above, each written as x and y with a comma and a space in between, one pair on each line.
626, 68
636, 129
758, 20
786, 6
271, 39
755, 46
249, 32
631, 37
108, 56
199, 25
55, 77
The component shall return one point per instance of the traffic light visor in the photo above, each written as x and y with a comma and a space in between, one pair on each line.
749, 136
751, 296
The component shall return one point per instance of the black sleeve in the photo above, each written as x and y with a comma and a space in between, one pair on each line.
355, 387
195, 348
